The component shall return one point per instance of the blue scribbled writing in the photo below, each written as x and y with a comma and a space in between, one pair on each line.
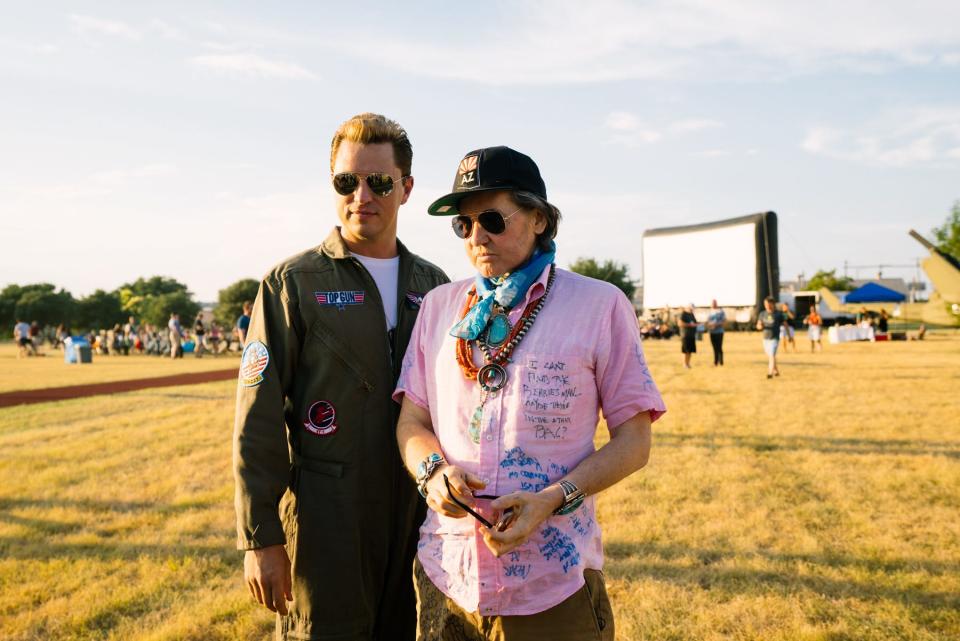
558, 545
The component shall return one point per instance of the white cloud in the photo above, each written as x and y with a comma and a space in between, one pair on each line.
88, 25
166, 30
713, 153
695, 124
249, 64
115, 177
920, 136
622, 121
564, 42
629, 131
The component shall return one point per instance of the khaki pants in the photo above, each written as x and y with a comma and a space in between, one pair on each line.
585, 616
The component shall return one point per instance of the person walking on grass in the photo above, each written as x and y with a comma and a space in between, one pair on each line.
326, 515
175, 330
787, 332
688, 334
814, 323
770, 322
715, 323
21, 334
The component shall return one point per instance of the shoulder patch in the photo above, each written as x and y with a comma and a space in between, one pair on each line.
253, 363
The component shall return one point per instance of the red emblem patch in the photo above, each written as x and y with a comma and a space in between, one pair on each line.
321, 419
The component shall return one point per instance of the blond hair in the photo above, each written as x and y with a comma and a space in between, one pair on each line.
370, 129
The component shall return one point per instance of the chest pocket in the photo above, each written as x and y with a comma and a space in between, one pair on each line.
550, 386
326, 355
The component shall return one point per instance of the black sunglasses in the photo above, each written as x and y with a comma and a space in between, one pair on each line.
491, 220
381, 184
505, 519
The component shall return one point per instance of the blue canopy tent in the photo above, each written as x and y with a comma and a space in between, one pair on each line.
874, 293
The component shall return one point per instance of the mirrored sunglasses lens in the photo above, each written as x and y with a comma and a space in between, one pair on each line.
345, 184
461, 226
380, 184
492, 221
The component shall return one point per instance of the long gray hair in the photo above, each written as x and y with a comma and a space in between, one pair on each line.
529, 200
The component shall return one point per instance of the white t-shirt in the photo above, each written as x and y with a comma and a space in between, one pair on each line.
22, 330
385, 272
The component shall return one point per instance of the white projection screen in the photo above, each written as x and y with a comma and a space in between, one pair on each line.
733, 261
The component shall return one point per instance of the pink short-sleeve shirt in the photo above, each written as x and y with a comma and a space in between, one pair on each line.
582, 355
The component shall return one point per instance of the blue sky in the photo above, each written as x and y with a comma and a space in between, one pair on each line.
192, 139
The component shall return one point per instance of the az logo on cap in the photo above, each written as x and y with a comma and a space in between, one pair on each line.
468, 171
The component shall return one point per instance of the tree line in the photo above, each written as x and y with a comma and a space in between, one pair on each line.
148, 300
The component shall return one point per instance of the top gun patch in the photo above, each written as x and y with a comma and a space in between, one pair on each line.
253, 363
415, 299
340, 299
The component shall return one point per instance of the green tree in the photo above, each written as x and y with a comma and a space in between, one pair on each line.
44, 304
230, 301
830, 280
610, 271
100, 310
948, 235
8, 304
156, 310
134, 296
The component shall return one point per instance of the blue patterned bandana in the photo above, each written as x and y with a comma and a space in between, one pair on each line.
506, 292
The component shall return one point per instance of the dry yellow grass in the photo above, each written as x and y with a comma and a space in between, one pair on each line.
51, 371
822, 505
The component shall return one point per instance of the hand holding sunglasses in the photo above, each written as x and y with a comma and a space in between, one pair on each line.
492, 221
381, 184
508, 516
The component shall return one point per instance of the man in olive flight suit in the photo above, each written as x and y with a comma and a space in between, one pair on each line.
326, 513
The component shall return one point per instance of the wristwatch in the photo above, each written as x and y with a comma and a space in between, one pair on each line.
573, 496
426, 469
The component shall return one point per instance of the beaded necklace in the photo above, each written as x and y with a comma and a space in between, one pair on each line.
492, 376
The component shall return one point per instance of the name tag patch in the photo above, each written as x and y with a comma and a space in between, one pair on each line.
253, 363
340, 299
321, 419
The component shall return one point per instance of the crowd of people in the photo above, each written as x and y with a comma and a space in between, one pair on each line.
132, 337
778, 324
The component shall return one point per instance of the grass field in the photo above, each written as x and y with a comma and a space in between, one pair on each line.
821, 505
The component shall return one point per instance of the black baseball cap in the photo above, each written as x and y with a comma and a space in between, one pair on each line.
489, 169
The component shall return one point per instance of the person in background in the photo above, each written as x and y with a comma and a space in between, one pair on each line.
200, 331
787, 332
175, 331
770, 322
243, 323
814, 323
715, 323
21, 334
883, 322
688, 334
215, 338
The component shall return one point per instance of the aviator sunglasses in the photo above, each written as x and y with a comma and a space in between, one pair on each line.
381, 184
508, 516
491, 220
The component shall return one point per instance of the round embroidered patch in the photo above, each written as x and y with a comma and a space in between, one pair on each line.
253, 363
321, 419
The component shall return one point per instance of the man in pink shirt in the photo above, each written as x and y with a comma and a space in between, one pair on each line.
501, 387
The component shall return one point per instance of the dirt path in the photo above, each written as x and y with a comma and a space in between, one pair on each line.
24, 397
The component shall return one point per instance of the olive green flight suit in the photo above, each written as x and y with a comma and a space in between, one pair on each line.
315, 453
